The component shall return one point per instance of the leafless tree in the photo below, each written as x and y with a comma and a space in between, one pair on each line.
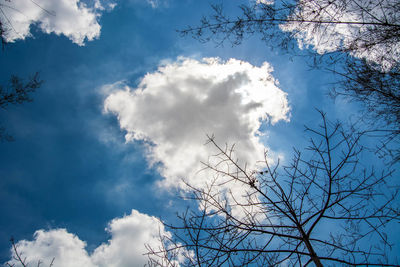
366, 26
379, 92
324, 208
356, 39
17, 92
17, 256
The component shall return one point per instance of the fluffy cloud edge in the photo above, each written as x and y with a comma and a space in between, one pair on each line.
126, 247
173, 109
73, 19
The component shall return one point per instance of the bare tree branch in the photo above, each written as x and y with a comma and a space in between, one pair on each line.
288, 208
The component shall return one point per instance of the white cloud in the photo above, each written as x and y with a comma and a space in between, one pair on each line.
66, 249
175, 107
71, 18
128, 237
126, 247
330, 37
265, 2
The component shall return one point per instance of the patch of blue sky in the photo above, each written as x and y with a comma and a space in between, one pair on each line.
70, 166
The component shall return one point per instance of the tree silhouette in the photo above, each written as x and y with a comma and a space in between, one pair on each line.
355, 39
17, 92
323, 208
379, 92
360, 27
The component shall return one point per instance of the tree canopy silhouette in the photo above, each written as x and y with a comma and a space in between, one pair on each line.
358, 40
322, 208
17, 91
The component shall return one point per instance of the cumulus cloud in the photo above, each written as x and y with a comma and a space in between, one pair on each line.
72, 18
175, 107
362, 40
125, 248
67, 248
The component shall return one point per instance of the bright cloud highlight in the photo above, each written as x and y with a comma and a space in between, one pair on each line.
71, 18
125, 248
371, 43
174, 108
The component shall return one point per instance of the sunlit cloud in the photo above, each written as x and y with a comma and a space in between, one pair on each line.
72, 18
329, 37
174, 108
125, 248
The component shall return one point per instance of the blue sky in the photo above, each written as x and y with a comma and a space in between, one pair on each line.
70, 165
